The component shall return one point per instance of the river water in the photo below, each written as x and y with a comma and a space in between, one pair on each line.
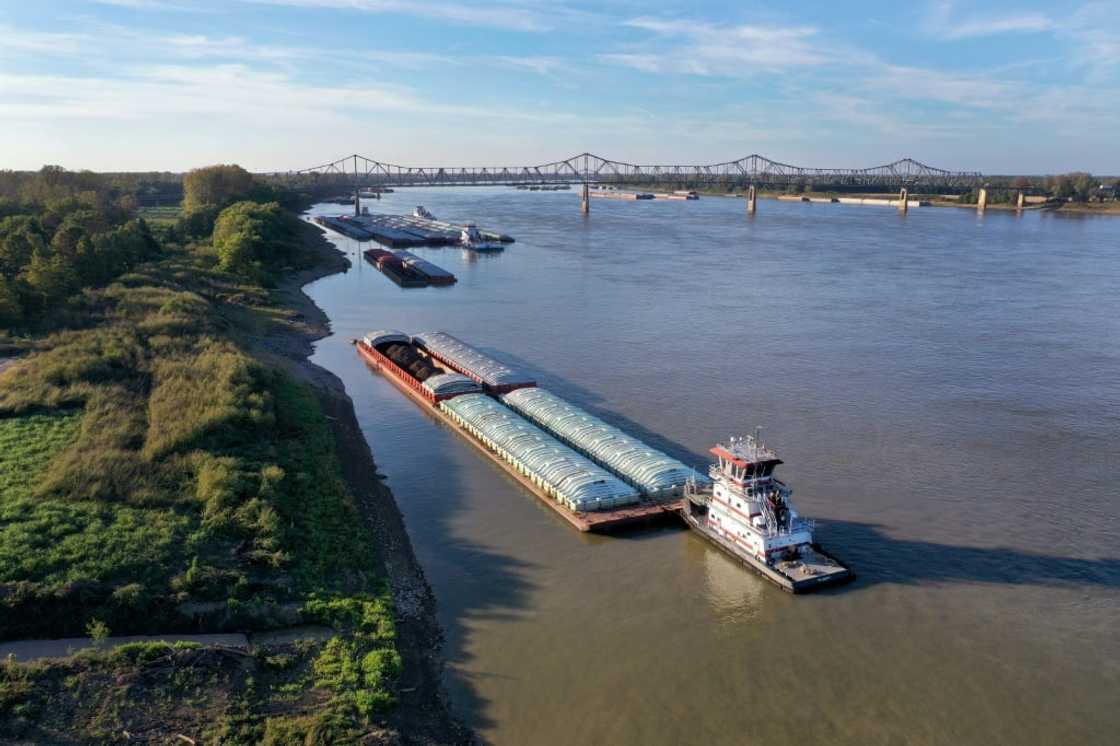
944, 389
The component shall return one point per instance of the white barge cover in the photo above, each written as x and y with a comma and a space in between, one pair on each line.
556, 469
423, 266
651, 471
468, 359
384, 336
443, 384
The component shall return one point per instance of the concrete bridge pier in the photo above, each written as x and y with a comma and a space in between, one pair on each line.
357, 202
982, 200
903, 201
1020, 201
752, 200
585, 199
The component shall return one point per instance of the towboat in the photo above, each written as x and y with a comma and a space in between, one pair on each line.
471, 238
422, 212
746, 512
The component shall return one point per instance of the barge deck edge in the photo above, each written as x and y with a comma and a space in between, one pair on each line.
769, 573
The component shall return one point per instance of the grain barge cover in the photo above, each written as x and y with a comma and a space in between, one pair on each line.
474, 363
424, 267
556, 469
386, 336
651, 471
447, 384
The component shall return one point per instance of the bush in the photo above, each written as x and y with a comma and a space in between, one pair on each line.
251, 237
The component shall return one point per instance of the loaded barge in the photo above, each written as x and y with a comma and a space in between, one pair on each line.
463, 387
408, 270
746, 512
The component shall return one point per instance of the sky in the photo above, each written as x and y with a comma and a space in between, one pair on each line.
277, 85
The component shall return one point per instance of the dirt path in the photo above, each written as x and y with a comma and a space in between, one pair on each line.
423, 715
29, 650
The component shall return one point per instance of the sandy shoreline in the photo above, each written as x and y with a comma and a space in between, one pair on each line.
423, 714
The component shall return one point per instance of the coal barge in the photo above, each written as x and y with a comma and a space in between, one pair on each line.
464, 388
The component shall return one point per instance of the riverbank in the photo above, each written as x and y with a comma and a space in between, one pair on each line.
422, 714
197, 475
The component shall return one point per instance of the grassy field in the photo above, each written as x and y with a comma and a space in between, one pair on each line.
160, 215
156, 477
27, 445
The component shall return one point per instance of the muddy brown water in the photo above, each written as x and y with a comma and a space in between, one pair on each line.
944, 389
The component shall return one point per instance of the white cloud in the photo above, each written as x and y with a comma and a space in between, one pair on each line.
546, 66
511, 16
943, 22
24, 41
959, 89
149, 5
707, 49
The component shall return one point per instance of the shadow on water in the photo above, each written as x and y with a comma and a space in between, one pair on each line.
879, 558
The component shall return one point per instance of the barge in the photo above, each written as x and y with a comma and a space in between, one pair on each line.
588, 496
408, 270
747, 513
404, 231
653, 473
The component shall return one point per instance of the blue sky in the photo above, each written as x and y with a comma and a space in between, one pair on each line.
284, 84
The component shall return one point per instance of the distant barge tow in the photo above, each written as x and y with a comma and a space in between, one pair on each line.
404, 231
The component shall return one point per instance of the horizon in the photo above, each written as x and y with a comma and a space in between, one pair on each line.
275, 85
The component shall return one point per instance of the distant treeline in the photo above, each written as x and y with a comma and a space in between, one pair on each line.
61, 231
129, 189
1072, 187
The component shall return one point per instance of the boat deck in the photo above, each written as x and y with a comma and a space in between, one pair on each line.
813, 566
602, 521
797, 576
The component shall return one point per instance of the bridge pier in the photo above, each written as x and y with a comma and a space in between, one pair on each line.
903, 201
357, 202
982, 200
752, 200
585, 199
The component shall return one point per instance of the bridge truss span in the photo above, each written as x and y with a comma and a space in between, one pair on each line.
586, 168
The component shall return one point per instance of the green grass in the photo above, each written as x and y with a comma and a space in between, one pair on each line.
27, 445
155, 477
160, 215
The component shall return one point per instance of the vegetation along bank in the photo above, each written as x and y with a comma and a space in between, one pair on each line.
171, 464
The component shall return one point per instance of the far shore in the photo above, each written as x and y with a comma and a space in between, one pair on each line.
1090, 208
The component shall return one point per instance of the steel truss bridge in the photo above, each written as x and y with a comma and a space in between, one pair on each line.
359, 171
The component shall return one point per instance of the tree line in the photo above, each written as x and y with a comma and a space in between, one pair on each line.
62, 231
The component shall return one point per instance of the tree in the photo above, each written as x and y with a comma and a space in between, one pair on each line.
11, 310
49, 278
20, 237
215, 186
249, 235
1084, 186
